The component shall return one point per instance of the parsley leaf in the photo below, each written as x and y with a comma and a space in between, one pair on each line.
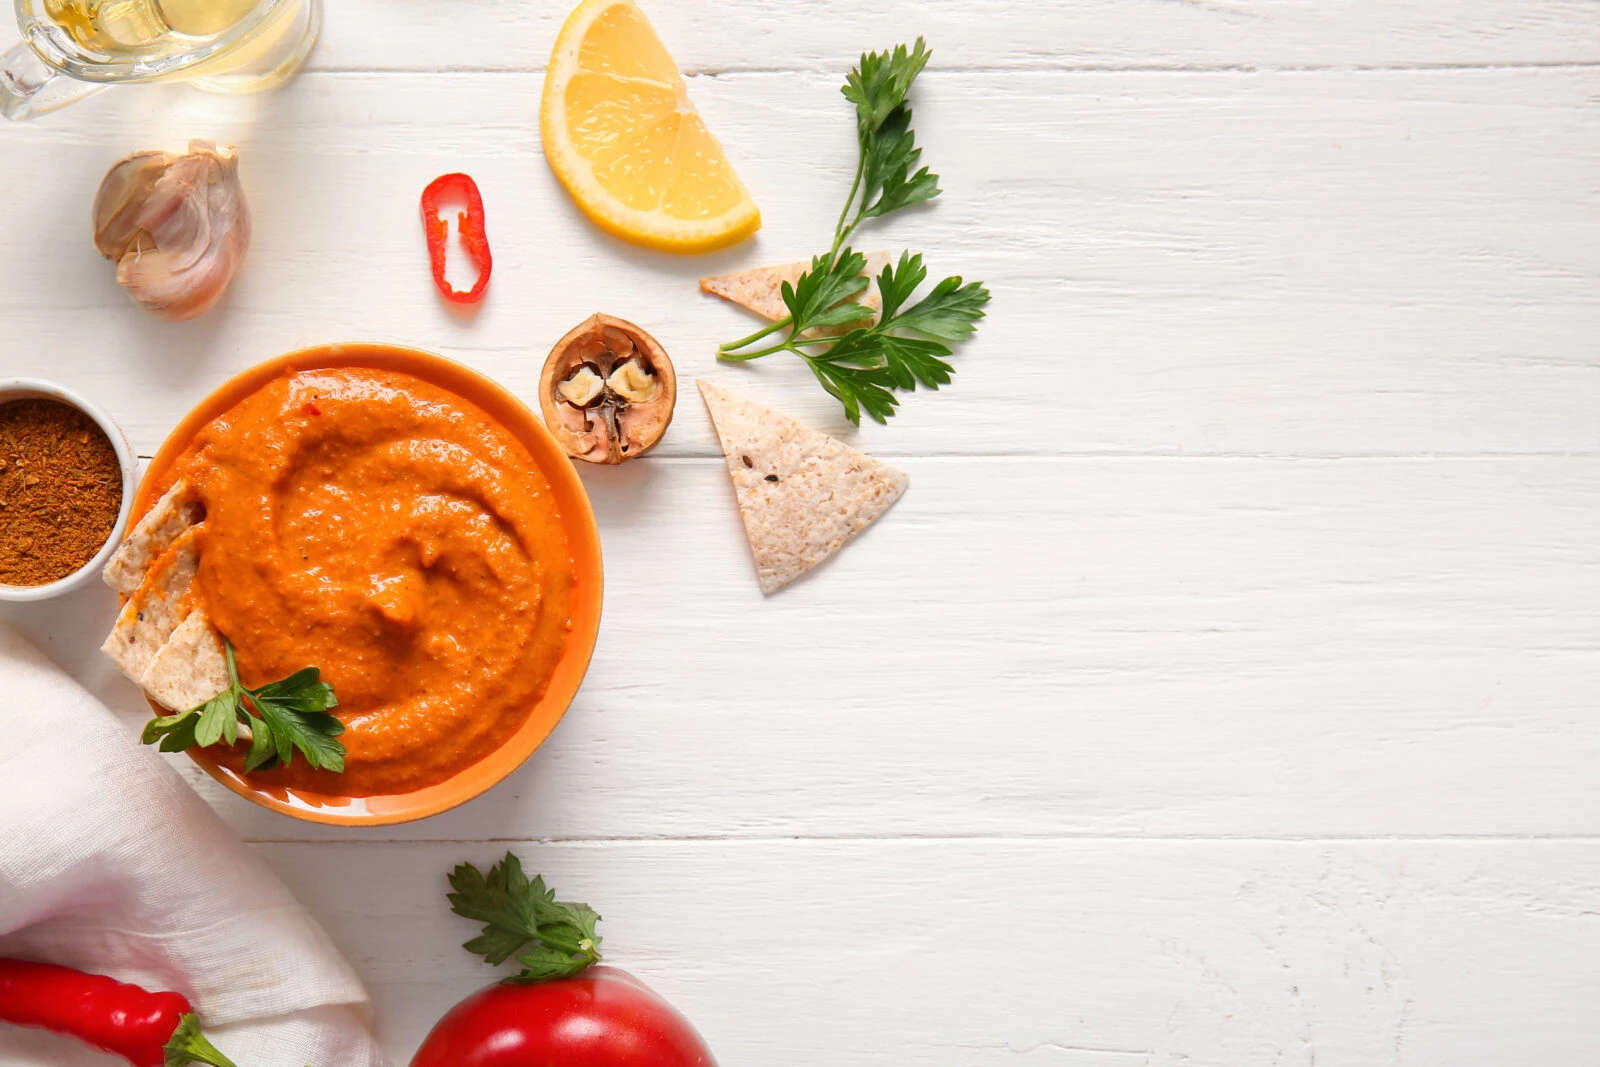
282, 716
523, 919
314, 735
880, 83
907, 346
950, 313
295, 711
887, 183
303, 691
857, 388
263, 747
819, 297
175, 732
216, 716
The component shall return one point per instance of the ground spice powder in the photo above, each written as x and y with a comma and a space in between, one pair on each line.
60, 490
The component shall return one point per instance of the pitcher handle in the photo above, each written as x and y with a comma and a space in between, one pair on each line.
29, 86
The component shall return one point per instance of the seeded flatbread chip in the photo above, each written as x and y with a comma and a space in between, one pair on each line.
802, 494
191, 667
154, 534
154, 610
761, 288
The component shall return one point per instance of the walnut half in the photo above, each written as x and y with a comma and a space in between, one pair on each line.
607, 391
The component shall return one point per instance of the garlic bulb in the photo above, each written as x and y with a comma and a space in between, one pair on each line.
177, 227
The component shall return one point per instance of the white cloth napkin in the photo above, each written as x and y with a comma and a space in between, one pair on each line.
110, 863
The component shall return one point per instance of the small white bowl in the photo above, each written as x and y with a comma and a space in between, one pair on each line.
37, 388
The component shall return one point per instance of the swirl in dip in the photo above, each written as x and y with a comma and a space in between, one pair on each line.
392, 534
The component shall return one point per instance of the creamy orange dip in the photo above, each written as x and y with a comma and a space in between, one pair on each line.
392, 534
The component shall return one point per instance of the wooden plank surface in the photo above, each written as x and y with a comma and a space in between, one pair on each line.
1223, 690
1045, 646
717, 37
1072, 953
1301, 263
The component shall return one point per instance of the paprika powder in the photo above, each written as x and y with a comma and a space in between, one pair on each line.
60, 491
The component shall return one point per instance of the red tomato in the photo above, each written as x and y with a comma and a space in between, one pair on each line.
602, 1018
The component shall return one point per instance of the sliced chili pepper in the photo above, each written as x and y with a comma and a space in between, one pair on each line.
146, 1029
470, 223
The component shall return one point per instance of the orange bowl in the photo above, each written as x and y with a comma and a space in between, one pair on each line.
577, 518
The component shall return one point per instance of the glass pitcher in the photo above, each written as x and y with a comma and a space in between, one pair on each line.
71, 48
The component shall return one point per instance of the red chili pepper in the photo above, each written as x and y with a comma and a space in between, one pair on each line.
470, 223
146, 1029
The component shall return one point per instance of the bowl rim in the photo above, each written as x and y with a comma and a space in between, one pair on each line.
583, 534
44, 389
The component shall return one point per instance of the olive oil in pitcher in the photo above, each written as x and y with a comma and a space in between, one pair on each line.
71, 48
145, 25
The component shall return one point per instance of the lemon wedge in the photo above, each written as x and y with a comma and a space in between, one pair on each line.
622, 136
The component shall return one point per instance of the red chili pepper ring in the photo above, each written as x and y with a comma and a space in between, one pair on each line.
470, 223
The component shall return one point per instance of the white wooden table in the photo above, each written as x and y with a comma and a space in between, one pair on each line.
1226, 689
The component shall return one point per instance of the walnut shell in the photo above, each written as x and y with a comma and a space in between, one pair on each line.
608, 391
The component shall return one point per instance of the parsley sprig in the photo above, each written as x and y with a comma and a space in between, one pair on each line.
551, 939
908, 345
281, 716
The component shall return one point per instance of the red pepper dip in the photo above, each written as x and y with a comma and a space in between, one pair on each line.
392, 534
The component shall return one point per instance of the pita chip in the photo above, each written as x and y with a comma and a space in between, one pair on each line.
154, 534
802, 494
761, 288
154, 610
190, 668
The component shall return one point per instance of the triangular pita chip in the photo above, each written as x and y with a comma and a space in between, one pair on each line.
163, 524
191, 667
802, 494
761, 288
154, 610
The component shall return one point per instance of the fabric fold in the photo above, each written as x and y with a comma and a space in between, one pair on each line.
110, 863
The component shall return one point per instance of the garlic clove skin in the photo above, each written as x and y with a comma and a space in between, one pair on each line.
121, 198
188, 235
